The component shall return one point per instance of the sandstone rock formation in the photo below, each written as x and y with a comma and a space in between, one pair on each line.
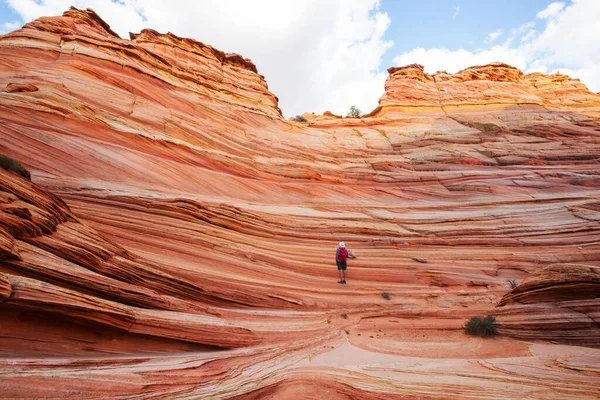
559, 303
177, 236
488, 85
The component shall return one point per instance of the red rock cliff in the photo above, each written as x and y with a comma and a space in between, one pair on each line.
492, 84
177, 236
558, 303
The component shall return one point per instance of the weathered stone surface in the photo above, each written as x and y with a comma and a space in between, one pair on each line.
20, 87
487, 85
559, 303
5, 288
71, 271
195, 255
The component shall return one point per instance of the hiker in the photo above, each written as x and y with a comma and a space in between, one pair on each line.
341, 255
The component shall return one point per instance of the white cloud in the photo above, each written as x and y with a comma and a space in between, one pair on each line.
572, 37
456, 11
9, 26
523, 28
316, 55
551, 10
525, 31
588, 74
492, 36
529, 35
568, 41
452, 61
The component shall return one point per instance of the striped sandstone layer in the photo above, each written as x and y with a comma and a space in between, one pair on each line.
177, 235
558, 303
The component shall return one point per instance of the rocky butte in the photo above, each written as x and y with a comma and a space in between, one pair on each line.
176, 236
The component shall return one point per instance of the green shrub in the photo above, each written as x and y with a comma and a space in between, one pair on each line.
386, 295
485, 326
299, 118
354, 112
345, 316
13, 165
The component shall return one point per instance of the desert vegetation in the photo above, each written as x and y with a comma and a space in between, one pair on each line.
299, 118
354, 112
10, 164
485, 327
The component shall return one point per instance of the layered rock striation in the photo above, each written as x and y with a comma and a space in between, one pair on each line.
177, 236
54, 266
559, 303
487, 85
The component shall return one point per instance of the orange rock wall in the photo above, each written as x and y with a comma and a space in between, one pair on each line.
557, 303
179, 231
488, 85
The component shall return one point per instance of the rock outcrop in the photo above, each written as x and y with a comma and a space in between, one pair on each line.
55, 266
559, 303
176, 238
487, 85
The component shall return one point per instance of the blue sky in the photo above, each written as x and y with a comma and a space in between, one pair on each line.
453, 25
322, 55
6, 13
428, 23
8, 16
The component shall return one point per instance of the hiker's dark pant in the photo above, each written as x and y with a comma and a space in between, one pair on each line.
341, 265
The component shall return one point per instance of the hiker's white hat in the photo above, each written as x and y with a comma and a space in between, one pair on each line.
342, 244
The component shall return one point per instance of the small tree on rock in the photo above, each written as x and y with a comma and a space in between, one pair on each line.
354, 112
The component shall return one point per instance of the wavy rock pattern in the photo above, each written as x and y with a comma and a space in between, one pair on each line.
559, 303
195, 255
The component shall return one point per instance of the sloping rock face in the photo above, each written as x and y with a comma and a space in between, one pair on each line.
559, 303
57, 267
177, 235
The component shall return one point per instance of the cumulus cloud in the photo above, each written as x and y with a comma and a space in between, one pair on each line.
316, 55
492, 36
9, 26
452, 61
456, 11
567, 41
551, 10
529, 35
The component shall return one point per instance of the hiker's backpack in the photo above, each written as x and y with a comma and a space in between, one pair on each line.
342, 254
